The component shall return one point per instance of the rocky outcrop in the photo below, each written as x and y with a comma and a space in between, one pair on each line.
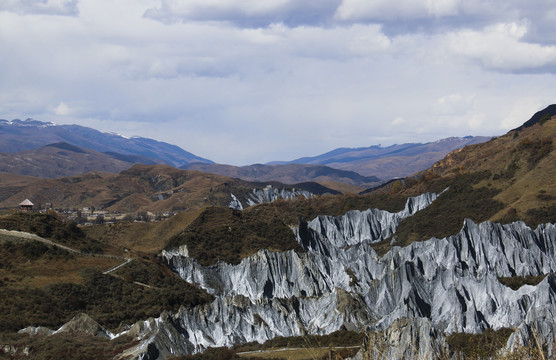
266, 195
14, 351
82, 323
411, 294
406, 338
539, 327
270, 194
79, 324
237, 319
235, 203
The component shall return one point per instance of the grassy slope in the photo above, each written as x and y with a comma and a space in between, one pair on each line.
506, 179
522, 166
44, 285
155, 188
141, 237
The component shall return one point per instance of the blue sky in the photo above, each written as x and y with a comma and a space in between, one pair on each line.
252, 81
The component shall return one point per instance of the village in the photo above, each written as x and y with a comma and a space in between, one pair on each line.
92, 216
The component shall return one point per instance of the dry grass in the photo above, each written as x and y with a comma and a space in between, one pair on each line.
43, 272
142, 237
506, 179
342, 187
522, 164
290, 354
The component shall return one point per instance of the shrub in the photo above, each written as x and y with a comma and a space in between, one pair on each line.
515, 282
108, 299
445, 216
484, 345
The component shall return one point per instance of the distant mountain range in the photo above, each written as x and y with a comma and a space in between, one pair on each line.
362, 167
391, 161
43, 149
22, 135
288, 174
63, 159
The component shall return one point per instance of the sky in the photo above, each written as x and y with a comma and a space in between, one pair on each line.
252, 81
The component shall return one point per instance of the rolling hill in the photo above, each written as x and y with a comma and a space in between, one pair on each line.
156, 188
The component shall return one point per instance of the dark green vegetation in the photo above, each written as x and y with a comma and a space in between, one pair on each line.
541, 215
224, 234
44, 285
291, 211
515, 282
65, 346
338, 338
51, 226
445, 216
475, 346
108, 299
536, 149
30, 250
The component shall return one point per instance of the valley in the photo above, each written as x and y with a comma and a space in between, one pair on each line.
455, 261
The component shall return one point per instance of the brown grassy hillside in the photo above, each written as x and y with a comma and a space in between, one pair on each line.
505, 179
155, 188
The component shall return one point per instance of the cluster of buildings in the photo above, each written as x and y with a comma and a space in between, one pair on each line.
89, 215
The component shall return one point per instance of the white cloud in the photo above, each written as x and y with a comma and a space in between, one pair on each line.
350, 10
453, 104
47, 7
194, 8
398, 121
500, 47
236, 84
62, 109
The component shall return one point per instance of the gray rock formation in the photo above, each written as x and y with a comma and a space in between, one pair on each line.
79, 324
235, 203
82, 323
406, 338
433, 287
268, 194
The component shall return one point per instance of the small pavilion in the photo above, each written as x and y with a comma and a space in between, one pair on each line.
26, 205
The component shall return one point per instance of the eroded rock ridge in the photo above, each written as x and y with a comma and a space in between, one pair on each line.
441, 285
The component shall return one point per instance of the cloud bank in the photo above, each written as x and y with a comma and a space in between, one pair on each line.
249, 81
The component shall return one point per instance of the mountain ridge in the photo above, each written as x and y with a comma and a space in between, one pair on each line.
289, 173
394, 161
21, 135
63, 159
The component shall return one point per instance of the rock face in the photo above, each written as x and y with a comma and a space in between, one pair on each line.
82, 323
425, 342
268, 194
410, 294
